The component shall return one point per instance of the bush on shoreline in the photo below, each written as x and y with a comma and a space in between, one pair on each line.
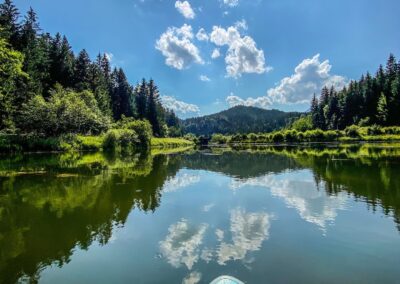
351, 133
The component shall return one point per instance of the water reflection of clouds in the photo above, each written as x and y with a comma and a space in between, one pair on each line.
249, 230
193, 278
182, 244
313, 205
181, 180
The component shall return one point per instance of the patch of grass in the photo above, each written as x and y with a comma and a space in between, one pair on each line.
170, 142
90, 143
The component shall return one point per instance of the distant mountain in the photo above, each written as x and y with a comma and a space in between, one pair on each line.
239, 119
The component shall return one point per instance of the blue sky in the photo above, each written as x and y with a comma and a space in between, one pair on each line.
272, 53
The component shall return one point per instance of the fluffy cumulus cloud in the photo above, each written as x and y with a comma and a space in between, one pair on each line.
230, 3
179, 107
233, 100
202, 35
215, 53
182, 244
204, 78
185, 9
177, 47
242, 56
309, 77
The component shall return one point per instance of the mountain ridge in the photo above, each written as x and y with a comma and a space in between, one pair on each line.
239, 119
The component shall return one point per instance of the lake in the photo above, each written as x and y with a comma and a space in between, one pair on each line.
321, 214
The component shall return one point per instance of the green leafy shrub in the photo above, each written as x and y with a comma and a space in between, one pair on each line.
127, 138
219, 139
277, 137
110, 141
143, 130
352, 131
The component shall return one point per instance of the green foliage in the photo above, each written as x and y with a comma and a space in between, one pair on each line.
65, 112
88, 94
11, 78
143, 130
170, 142
303, 123
352, 131
370, 100
239, 119
219, 139
110, 141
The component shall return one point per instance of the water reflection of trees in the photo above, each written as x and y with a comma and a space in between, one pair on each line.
370, 172
51, 204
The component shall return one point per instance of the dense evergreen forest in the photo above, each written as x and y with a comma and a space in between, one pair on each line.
239, 119
48, 90
372, 100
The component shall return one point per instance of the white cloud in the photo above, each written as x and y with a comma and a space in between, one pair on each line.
249, 230
185, 9
181, 245
230, 3
181, 180
177, 47
263, 102
242, 56
202, 35
109, 56
216, 53
241, 24
309, 77
204, 78
179, 107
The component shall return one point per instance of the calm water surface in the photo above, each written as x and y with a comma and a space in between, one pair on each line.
269, 215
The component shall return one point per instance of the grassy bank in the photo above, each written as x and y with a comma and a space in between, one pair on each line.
350, 134
170, 143
109, 141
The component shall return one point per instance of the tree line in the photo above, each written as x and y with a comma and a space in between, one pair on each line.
368, 101
45, 88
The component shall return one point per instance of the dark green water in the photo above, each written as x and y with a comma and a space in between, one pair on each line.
270, 215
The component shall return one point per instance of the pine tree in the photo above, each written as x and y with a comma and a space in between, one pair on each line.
122, 95
62, 62
141, 100
382, 110
152, 107
10, 28
82, 71
30, 29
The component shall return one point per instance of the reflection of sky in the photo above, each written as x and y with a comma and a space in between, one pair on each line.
181, 180
300, 192
183, 243
249, 230
181, 246
193, 278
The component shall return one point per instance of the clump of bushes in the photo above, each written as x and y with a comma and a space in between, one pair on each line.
219, 139
65, 112
128, 134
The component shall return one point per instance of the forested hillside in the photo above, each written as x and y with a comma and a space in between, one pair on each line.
48, 90
372, 100
239, 119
